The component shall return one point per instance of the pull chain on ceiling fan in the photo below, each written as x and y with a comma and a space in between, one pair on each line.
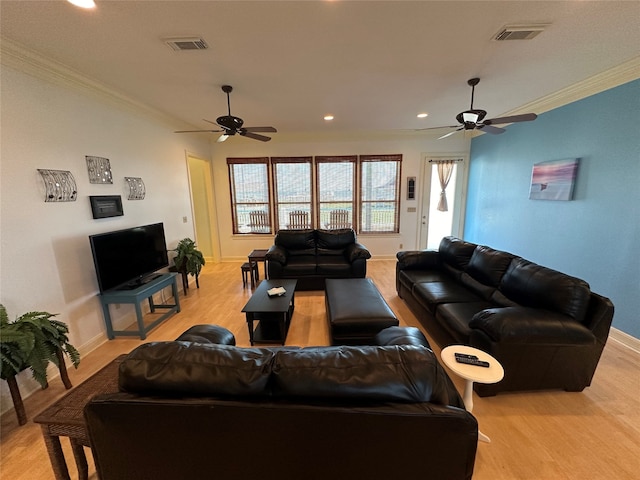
233, 125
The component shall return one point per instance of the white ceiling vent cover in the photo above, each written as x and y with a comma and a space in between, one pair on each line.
186, 43
519, 32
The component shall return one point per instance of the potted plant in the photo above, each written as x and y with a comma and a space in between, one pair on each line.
188, 258
32, 341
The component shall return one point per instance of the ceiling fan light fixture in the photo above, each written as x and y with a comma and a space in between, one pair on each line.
83, 3
222, 138
470, 117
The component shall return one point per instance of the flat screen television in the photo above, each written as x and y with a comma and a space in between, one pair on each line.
126, 259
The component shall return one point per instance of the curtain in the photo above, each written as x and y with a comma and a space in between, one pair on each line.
445, 169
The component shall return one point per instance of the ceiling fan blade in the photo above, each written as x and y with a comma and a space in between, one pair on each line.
491, 129
210, 121
255, 136
450, 133
434, 128
525, 117
196, 131
260, 129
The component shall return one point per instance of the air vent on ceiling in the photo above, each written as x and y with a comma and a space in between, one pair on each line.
186, 43
519, 32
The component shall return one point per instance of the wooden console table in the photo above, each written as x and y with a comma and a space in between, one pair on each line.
136, 296
65, 418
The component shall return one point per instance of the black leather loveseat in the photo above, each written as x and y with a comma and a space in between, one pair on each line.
311, 256
546, 328
190, 410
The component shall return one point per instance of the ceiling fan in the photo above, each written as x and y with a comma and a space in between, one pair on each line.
231, 125
472, 119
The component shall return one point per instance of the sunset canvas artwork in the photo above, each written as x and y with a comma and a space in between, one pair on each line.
554, 180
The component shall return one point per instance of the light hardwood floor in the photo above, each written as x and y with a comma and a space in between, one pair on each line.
594, 434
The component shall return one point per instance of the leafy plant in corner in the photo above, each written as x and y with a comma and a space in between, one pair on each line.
32, 341
188, 258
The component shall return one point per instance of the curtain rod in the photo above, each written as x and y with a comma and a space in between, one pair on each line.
448, 160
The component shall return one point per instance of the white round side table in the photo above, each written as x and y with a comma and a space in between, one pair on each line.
472, 373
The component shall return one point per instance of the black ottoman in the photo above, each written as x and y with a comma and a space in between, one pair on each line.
356, 311
207, 334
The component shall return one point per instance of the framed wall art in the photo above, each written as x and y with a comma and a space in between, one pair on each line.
104, 206
554, 180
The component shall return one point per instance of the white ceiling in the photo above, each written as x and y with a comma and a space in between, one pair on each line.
373, 64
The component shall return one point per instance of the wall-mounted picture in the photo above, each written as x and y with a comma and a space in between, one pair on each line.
103, 206
554, 180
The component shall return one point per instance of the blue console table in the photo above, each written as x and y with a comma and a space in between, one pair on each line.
136, 296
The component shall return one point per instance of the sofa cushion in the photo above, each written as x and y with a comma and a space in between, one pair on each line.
300, 265
334, 242
456, 317
401, 336
332, 265
532, 285
531, 326
455, 252
194, 369
488, 265
404, 373
431, 294
297, 242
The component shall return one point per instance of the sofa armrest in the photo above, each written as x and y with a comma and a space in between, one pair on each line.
355, 251
531, 326
418, 259
277, 254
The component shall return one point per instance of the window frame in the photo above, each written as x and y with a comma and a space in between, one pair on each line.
327, 159
362, 159
275, 161
232, 193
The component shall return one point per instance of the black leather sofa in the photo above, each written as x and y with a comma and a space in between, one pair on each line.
196, 410
546, 328
311, 256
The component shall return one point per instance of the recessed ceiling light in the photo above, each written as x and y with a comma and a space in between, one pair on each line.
328, 117
423, 115
83, 3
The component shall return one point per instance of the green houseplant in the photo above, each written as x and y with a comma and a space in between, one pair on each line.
32, 341
188, 258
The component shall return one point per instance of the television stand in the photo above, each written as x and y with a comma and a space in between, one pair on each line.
137, 295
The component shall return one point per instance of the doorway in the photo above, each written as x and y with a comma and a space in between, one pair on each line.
442, 209
203, 208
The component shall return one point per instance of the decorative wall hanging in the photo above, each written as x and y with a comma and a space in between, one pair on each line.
136, 188
60, 186
411, 188
554, 180
99, 169
103, 206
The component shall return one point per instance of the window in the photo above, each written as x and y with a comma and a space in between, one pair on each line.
380, 193
336, 190
330, 192
292, 186
249, 182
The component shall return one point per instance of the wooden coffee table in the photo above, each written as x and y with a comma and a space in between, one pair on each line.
65, 418
273, 314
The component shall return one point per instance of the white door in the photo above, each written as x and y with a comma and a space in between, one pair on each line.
436, 223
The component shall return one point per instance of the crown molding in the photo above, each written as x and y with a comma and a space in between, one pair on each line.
614, 77
17, 57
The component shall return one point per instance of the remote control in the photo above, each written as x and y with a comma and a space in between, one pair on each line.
465, 355
472, 361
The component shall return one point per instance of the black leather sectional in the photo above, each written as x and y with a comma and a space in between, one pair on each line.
311, 256
195, 409
546, 328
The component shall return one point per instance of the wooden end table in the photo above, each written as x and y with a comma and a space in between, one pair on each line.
258, 255
472, 373
65, 418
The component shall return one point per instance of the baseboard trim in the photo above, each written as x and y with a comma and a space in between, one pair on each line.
625, 339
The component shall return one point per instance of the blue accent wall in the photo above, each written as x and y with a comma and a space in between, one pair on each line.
596, 236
